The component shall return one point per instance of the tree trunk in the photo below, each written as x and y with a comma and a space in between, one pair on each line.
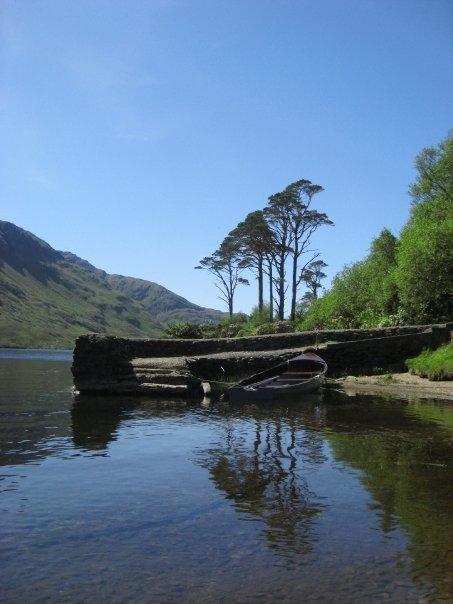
260, 285
281, 290
231, 292
230, 306
294, 284
271, 295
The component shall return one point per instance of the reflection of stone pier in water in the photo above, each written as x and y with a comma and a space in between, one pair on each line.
106, 364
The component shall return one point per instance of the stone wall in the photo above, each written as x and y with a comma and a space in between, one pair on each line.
375, 355
129, 348
105, 363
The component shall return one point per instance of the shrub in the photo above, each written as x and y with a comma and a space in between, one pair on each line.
183, 329
239, 317
259, 317
284, 327
209, 330
265, 329
229, 331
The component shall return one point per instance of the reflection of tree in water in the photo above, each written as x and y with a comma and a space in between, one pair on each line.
406, 465
261, 468
404, 453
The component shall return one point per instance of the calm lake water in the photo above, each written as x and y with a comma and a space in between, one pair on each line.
339, 500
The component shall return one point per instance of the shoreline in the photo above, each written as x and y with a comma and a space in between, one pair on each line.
402, 385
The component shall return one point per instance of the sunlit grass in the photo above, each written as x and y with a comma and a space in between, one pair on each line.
433, 364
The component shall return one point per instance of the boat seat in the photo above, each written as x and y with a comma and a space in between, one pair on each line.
299, 374
287, 380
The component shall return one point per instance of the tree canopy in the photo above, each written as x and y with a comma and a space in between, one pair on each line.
403, 279
406, 279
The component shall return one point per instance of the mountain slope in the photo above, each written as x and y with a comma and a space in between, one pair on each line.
47, 297
160, 302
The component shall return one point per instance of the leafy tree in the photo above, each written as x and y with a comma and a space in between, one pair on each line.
435, 173
278, 215
225, 265
425, 251
363, 294
312, 277
255, 243
425, 260
304, 221
304, 305
406, 280
381, 264
293, 222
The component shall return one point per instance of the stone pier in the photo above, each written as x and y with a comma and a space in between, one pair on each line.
107, 364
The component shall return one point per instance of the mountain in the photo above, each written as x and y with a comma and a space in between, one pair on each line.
48, 298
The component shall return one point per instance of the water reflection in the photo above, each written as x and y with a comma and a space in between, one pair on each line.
95, 430
403, 454
341, 499
95, 420
34, 407
261, 467
407, 467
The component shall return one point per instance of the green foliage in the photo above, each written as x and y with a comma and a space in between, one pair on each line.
230, 327
184, 330
264, 329
226, 266
434, 178
258, 317
238, 325
425, 260
433, 364
362, 295
236, 319
312, 276
408, 280
425, 251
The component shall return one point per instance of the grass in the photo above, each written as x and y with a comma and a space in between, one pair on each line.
433, 364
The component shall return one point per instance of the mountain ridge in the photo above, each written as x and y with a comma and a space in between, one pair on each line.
49, 297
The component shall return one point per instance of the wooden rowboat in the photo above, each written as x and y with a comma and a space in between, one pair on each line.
304, 373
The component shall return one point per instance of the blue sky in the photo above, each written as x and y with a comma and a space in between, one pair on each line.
138, 133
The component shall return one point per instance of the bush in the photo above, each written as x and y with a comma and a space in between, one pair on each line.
237, 318
229, 331
184, 330
363, 294
264, 329
259, 317
209, 330
284, 327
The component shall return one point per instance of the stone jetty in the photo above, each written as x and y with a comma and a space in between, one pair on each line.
107, 364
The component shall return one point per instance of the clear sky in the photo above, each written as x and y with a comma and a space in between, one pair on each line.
136, 134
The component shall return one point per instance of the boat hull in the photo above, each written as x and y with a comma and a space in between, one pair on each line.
302, 374
242, 394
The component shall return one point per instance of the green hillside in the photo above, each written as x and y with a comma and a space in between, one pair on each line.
48, 298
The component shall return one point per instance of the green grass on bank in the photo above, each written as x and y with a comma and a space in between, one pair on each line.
433, 364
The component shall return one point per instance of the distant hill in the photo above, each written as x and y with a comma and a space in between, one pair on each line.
48, 298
